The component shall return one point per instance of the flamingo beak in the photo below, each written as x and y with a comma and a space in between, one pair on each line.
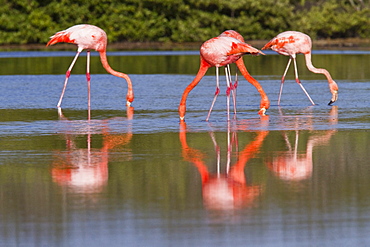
334, 97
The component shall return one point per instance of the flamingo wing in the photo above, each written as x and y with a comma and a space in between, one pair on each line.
270, 44
62, 36
84, 35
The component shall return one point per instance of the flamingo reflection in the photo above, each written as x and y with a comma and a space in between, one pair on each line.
85, 170
225, 190
292, 165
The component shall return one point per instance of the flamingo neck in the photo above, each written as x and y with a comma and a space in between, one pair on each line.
204, 65
104, 61
332, 84
316, 70
265, 102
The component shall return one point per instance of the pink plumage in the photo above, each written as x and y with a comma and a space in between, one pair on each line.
88, 37
291, 43
85, 36
223, 51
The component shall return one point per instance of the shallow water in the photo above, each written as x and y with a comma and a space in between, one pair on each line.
136, 176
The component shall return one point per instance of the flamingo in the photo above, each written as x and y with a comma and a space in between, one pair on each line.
265, 102
88, 37
217, 52
291, 43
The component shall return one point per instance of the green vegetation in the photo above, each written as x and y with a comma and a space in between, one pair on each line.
34, 21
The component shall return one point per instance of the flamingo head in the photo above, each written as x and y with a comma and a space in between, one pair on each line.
182, 111
334, 91
264, 105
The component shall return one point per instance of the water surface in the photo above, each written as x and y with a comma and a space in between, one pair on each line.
136, 176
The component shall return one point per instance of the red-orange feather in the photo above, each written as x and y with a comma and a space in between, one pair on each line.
280, 42
269, 44
237, 48
60, 37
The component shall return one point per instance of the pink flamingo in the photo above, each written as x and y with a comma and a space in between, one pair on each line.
265, 102
88, 37
290, 43
217, 52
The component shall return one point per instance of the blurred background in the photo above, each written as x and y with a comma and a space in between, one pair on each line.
169, 21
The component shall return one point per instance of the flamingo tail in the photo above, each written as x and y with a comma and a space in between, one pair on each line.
269, 44
60, 37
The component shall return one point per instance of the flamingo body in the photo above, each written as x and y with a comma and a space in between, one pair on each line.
233, 34
84, 36
291, 43
221, 51
88, 37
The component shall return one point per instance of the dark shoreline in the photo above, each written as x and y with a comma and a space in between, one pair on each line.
345, 44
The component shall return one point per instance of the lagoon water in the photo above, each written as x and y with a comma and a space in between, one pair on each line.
138, 177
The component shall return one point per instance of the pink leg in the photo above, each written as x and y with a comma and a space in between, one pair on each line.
236, 82
88, 85
68, 73
231, 87
299, 82
235, 86
234, 90
228, 90
283, 79
216, 94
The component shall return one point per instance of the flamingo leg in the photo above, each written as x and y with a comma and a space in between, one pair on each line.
283, 79
68, 73
227, 73
234, 92
299, 82
230, 87
216, 94
88, 85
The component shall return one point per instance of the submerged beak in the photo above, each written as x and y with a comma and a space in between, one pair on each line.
334, 97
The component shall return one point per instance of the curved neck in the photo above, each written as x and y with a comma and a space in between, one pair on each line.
314, 69
264, 99
332, 84
104, 61
201, 72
